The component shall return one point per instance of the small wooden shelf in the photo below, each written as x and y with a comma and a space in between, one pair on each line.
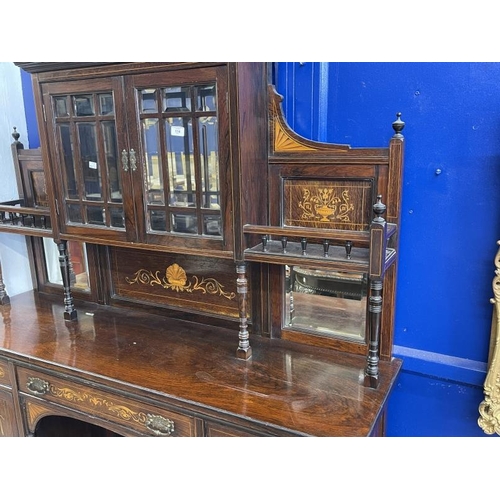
272, 251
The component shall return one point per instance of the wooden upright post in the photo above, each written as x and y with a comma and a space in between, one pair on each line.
69, 306
244, 350
378, 243
4, 298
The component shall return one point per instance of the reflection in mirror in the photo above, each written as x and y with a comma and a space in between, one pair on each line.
327, 303
78, 264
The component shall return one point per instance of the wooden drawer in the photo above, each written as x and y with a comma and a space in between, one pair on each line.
144, 418
215, 429
4, 374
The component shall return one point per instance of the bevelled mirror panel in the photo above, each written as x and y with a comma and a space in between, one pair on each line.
327, 303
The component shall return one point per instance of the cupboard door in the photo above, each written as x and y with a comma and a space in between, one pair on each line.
91, 158
8, 427
183, 172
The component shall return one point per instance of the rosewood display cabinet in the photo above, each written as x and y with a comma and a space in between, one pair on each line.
219, 274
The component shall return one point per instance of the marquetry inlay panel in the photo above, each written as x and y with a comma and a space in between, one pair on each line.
328, 204
192, 283
176, 279
284, 141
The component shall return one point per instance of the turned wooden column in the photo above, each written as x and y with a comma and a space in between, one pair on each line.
378, 244
69, 306
244, 350
375, 312
4, 298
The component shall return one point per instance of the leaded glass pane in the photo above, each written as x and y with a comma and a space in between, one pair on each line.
180, 159
106, 105
96, 215
185, 223
177, 99
89, 163
74, 213
212, 225
117, 217
209, 162
84, 105
69, 167
112, 161
152, 166
61, 106
148, 101
157, 220
206, 98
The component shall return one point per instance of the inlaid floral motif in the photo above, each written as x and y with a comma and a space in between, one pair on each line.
176, 279
325, 205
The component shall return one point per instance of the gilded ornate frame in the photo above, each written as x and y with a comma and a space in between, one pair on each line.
489, 409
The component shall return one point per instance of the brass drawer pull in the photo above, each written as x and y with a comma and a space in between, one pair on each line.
159, 425
37, 386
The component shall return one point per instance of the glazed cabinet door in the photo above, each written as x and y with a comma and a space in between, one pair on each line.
178, 123
91, 158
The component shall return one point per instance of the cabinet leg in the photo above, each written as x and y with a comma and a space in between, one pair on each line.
4, 298
69, 306
375, 312
244, 350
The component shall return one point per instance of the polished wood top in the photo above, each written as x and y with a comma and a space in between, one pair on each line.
292, 388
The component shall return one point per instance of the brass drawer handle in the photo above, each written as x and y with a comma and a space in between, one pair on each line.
37, 386
159, 425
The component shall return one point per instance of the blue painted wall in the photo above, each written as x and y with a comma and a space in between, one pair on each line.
450, 219
450, 216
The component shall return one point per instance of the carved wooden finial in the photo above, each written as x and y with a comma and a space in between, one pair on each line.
16, 135
398, 125
379, 208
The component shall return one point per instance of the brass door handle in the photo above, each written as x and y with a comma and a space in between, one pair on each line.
133, 161
125, 160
